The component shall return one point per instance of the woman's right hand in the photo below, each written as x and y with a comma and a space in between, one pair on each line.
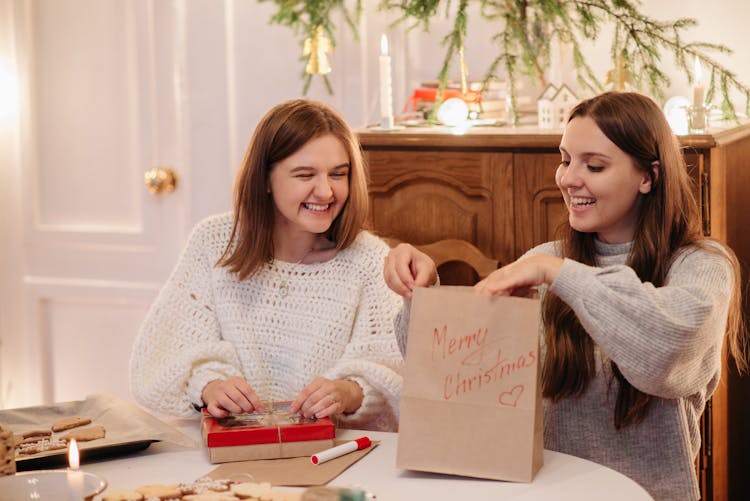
230, 396
406, 268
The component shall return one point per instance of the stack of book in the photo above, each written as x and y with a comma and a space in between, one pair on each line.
486, 100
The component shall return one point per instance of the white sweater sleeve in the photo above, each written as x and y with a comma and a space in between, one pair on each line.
179, 347
666, 340
372, 358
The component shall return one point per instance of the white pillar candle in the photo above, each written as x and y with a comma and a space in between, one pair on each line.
386, 86
698, 112
699, 90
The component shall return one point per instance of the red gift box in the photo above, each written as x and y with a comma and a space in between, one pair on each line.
267, 435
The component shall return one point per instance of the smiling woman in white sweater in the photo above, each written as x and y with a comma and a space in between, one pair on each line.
283, 299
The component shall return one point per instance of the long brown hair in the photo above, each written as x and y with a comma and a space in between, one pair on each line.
669, 220
284, 129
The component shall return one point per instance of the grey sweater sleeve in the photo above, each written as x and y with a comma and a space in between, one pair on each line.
666, 340
401, 325
401, 322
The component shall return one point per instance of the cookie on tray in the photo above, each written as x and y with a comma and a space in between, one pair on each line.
69, 422
36, 433
86, 434
43, 445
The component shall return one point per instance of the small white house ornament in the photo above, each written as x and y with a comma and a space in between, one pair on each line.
553, 106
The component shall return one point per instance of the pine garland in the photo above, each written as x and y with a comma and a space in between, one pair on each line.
523, 39
527, 26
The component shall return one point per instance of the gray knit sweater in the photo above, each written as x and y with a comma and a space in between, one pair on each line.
667, 342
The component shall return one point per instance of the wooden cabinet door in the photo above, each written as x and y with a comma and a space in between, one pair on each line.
425, 196
539, 206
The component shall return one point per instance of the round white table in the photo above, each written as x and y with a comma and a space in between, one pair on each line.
562, 477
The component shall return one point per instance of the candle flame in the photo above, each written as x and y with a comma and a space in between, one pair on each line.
73, 457
383, 45
698, 71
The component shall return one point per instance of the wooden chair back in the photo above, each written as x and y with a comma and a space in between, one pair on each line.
459, 262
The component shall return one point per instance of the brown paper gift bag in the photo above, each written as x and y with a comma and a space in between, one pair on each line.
471, 402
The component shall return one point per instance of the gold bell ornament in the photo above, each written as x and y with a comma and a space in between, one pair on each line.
317, 47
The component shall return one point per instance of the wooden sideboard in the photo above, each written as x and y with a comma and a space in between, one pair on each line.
495, 187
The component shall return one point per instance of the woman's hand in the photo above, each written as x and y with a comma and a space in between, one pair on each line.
233, 395
520, 276
325, 397
407, 268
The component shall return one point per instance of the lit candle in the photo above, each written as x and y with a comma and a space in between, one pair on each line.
698, 113
699, 90
75, 475
386, 89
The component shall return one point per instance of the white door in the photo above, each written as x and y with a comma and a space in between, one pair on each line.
101, 102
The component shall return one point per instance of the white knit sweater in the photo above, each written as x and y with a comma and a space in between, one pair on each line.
279, 329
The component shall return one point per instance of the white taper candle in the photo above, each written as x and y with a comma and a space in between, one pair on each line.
386, 86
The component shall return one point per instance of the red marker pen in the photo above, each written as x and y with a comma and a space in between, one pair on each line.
340, 450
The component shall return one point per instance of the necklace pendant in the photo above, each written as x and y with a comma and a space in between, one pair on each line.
284, 288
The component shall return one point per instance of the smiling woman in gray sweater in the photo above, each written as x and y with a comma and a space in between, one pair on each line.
636, 301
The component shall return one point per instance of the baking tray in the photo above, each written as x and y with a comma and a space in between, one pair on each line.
129, 429
59, 457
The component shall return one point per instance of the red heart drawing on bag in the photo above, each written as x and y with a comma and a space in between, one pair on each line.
510, 398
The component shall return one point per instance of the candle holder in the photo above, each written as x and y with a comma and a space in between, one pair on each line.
698, 119
49, 485
387, 124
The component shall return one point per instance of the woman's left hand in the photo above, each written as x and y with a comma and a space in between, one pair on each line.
517, 278
325, 397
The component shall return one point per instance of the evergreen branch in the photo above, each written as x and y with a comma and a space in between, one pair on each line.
327, 82
648, 35
454, 42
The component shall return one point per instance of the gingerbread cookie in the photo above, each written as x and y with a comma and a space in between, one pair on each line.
31, 440
86, 434
69, 422
45, 444
159, 491
211, 496
205, 484
252, 490
36, 433
279, 495
123, 495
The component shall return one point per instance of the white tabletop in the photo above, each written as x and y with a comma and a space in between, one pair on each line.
562, 477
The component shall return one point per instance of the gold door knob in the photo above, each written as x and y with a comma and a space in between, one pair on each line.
160, 180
